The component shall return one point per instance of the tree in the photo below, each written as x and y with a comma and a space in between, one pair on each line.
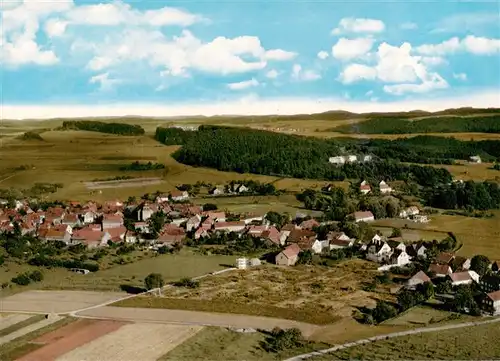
156, 222
407, 299
153, 280
396, 232
305, 257
426, 289
276, 218
209, 207
464, 299
36, 276
383, 311
480, 264
280, 340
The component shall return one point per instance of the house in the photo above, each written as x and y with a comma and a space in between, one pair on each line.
352, 158
490, 283
367, 158
145, 211
491, 302
178, 196
117, 234
301, 235
89, 217
193, 223
215, 216
317, 246
273, 235
460, 263
378, 251
420, 218
216, 191
256, 230
364, 187
71, 220
131, 237
396, 244
338, 240
495, 266
445, 257
417, 250
289, 256
200, 232
384, 187
90, 238
463, 278
440, 270
162, 198
229, 226
399, 258
363, 216
419, 278
475, 159
56, 235
111, 221
168, 239
241, 188
309, 224
179, 221
141, 227
338, 160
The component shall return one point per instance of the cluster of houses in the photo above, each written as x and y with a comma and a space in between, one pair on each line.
365, 187
351, 158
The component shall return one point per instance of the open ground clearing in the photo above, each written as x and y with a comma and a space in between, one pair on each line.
422, 316
145, 342
470, 343
319, 295
55, 301
7, 320
29, 328
478, 235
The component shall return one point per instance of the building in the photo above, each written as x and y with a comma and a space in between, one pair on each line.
216, 191
490, 283
445, 258
399, 258
460, 263
475, 159
193, 223
367, 158
179, 196
409, 212
363, 216
419, 278
352, 158
417, 250
338, 160
241, 263
111, 221
384, 187
289, 256
440, 270
229, 226
378, 251
491, 303
364, 187
464, 278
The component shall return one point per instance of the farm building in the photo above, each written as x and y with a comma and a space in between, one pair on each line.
289, 256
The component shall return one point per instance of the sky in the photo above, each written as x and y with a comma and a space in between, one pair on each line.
186, 57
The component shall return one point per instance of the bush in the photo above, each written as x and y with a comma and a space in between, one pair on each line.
154, 280
383, 311
209, 207
280, 340
188, 283
36, 276
21, 280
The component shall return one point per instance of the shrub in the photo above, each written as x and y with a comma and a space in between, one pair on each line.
36, 276
280, 340
21, 280
188, 283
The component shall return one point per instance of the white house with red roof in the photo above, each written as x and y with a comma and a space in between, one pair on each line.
289, 256
364, 187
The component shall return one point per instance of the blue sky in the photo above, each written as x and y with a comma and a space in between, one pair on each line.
246, 56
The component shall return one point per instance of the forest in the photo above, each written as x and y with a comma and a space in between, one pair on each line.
172, 136
468, 195
101, 127
408, 125
253, 151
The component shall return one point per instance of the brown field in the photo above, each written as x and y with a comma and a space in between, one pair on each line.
55, 301
459, 136
319, 295
80, 333
146, 342
75, 157
478, 235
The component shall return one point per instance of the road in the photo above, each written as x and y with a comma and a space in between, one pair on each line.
391, 335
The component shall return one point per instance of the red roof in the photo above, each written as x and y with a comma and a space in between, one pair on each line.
420, 275
494, 296
445, 257
460, 276
361, 215
291, 251
440, 269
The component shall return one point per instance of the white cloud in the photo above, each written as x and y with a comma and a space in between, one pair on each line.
433, 60
323, 55
409, 26
243, 84
279, 55
104, 81
55, 27
356, 72
467, 22
120, 13
408, 73
272, 74
472, 44
359, 25
348, 49
460, 76
304, 75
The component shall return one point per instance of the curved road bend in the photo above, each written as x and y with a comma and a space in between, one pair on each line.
391, 335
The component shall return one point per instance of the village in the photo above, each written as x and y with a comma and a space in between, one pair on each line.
94, 225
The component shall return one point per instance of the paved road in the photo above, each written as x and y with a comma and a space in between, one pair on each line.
391, 335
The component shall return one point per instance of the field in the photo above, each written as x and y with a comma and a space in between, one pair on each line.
471, 343
318, 295
478, 235
421, 316
73, 158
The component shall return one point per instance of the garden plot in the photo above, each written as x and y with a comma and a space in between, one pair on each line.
145, 342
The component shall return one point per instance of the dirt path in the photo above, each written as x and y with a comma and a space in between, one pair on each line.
391, 335
25, 330
194, 318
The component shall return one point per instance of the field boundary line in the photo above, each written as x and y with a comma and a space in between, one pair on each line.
390, 335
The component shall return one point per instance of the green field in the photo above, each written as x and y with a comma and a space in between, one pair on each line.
172, 267
213, 343
470, 343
